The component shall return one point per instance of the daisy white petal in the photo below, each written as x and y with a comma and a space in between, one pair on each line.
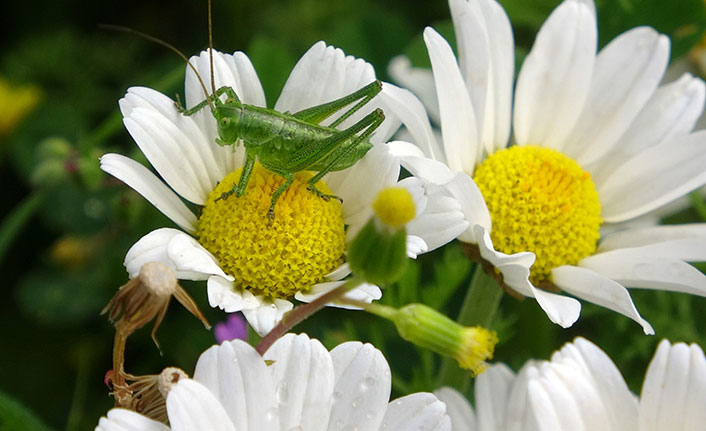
459, 128
581, 388
440, 222
670, 113
465, 190
652, 235
486, 49
144, 182
412, 159
515, 269
674, 390
493, 389
358, 188
127, 420
460, 412
415, 246
173, 143
267, 315
553, 83
654, 177
236, 374
420, 81
224, 295
193, 407
177, 250
302, 374
320, 76
410, 110
688, 248
605, 376
627, 72
421, 411
235, 71
339, 273
594, 287
362, 381
638, 268
365, 292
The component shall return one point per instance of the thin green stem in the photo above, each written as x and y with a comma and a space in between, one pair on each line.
479, 308
381, 310
697, 200
300, 313
13, 224
80, 389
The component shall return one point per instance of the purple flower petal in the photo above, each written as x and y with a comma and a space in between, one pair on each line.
234, 328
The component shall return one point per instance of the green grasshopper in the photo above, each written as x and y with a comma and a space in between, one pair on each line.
286, 143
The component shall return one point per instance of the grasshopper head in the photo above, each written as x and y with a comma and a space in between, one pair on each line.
228, 130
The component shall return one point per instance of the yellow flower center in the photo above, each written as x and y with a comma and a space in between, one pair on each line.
540, 201
394, 206
304, 242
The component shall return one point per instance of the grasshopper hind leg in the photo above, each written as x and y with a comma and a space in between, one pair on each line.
365, 127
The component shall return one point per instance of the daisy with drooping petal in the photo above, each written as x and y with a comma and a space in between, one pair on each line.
582, 389
598, 142
251, 266
306, 388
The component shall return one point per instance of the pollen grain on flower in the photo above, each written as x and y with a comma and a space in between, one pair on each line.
305, 241
540, 201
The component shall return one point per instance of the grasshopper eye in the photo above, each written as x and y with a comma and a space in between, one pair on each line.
225, 122
230, 101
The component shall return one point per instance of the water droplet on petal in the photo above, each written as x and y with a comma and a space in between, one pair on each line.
282, 393
272, 415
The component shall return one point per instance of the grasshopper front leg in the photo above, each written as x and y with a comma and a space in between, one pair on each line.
228, 91
239, 189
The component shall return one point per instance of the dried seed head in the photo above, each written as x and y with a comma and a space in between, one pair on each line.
159, 279
148, 394
146, 297
168, 378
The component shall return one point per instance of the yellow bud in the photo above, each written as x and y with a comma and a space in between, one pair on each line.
394, 207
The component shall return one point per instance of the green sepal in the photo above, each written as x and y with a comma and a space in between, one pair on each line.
378, 254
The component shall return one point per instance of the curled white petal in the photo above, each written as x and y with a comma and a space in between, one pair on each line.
267, 315
177, 250
144, 182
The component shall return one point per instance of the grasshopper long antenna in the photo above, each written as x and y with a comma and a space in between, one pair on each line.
210, 48
168, 46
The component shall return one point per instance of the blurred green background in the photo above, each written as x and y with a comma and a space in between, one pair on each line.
66, 226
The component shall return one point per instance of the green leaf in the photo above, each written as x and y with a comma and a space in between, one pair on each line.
16, 417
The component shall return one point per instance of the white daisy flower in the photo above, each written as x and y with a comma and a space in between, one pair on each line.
598, 142
250, 266
306, 388
582, 389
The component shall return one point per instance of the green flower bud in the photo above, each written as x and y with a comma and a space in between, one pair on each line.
471, 346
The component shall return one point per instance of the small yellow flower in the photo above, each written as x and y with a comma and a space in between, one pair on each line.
15, 103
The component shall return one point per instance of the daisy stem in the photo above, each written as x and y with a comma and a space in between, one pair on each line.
479, 308
294, 317
697, 200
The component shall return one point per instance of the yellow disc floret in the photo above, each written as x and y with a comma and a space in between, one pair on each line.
540, 201
277, 258
394, 206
